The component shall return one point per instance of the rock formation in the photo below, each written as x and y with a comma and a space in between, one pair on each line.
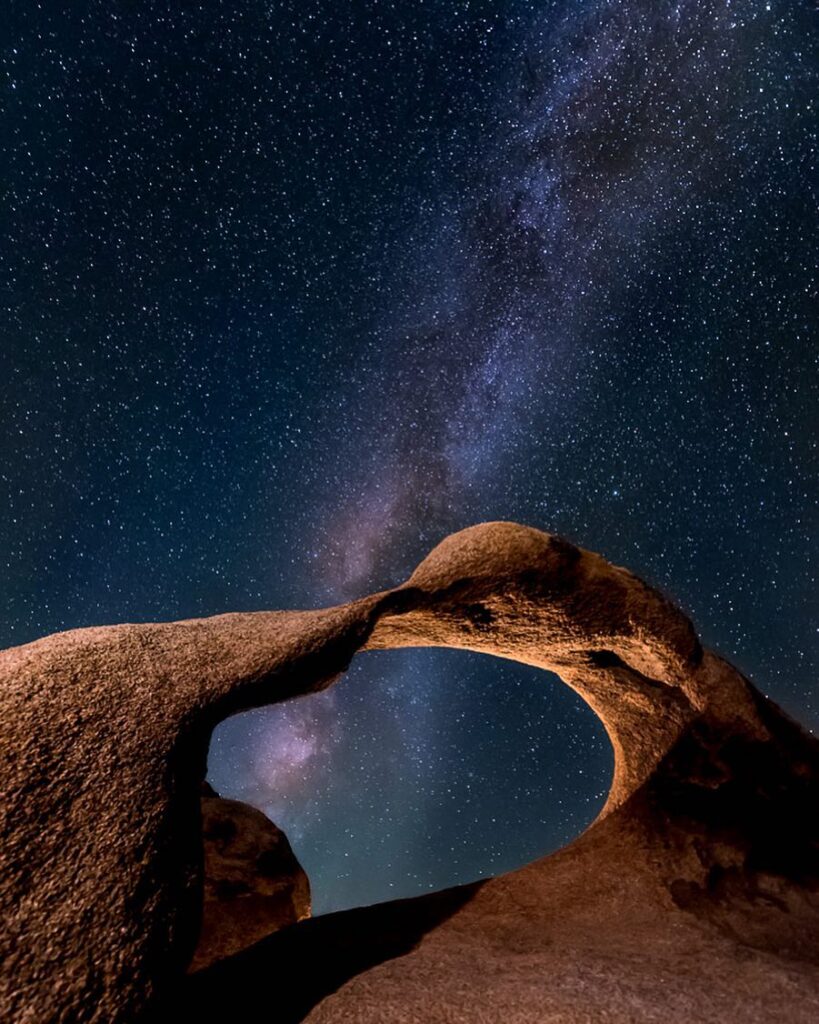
693, 897
253, 884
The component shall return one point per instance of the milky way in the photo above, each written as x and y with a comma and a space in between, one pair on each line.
292, 291
635, 138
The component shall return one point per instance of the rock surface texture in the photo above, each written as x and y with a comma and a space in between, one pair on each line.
694, 897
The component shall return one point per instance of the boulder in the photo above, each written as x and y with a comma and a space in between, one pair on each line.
253, 884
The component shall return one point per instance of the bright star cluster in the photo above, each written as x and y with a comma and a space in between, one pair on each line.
291, 290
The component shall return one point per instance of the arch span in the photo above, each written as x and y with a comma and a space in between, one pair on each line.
104, 736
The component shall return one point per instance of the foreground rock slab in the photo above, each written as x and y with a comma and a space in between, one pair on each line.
693, 897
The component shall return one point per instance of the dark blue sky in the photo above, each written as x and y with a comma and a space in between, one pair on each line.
292, 290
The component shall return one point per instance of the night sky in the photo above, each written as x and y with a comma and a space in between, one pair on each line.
291, 290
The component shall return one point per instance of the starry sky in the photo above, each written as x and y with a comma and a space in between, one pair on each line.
291, 290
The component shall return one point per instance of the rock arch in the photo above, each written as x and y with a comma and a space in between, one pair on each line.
104, 733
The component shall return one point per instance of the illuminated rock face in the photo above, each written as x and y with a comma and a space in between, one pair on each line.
696, 887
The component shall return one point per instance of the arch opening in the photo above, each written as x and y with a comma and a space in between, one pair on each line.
420, 769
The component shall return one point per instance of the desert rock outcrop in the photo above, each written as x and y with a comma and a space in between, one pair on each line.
702, 869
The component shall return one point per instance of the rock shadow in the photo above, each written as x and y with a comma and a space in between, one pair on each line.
291, 971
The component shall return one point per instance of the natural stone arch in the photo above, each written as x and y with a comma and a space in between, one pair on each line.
517, 593
104, 734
